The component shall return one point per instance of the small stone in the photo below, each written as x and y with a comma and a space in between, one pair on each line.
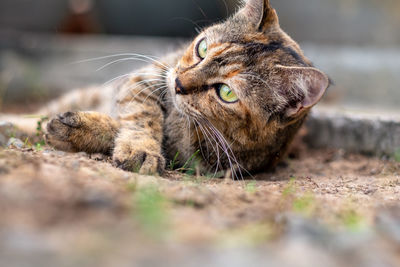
82, 154
6, 128
15, 142
59, 153
75, 165
98, 157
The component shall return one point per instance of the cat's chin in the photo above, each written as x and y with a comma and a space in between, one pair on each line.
180, 106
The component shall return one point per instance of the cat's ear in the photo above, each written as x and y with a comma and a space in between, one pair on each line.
260, 13
305, 84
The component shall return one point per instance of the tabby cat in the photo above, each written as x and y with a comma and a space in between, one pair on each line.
237, 94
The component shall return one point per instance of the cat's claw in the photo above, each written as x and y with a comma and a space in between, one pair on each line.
142, 162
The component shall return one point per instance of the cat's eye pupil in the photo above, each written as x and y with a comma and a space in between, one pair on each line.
202, 49
226, 94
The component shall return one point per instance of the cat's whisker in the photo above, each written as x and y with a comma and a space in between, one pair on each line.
163, 98
207, 140
154, 91
239, 165
150, 58
150, 74
189, 127
116, 78
216, 149
199, 139
109, 56
226, 7
230, 159
189, 20
127, 59
138, 84
224, 147
200, 9
223, 140
128, 90
147, 88
218, 155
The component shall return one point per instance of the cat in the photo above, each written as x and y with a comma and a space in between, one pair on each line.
234, 97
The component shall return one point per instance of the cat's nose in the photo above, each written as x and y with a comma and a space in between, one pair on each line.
179, 89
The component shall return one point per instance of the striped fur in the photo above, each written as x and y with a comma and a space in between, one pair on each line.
152, 120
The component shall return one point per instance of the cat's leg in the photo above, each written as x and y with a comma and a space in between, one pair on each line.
90, 132
138, 143
139, 140
135, 138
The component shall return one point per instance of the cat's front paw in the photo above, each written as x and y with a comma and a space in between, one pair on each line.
141, 161
89, 132
60, 130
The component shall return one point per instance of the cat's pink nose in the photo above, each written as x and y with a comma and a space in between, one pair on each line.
179, 89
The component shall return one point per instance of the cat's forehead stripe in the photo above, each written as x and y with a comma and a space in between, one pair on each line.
220, 47
232, 74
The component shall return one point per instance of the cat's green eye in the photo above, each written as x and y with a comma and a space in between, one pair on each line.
202, 49
227, 94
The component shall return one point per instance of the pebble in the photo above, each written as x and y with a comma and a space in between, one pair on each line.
5, 125
5, 131
15, 142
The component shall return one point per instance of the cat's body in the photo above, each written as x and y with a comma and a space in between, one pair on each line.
238, 94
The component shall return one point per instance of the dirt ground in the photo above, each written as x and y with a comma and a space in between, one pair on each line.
61, 209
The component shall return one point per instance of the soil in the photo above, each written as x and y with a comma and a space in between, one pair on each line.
62, 209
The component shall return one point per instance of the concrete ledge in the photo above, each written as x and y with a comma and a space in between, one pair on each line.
356, 131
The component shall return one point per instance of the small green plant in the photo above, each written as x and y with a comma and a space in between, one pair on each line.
251, 187
39, 145
290, 188
150, 209
352, 220
174, 162
249, 235
27, 143
39, 123
304, 204
39, 133
190, 165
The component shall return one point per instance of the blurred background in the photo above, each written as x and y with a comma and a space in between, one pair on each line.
357, 42
340, 209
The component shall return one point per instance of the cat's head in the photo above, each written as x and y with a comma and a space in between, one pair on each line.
246, 76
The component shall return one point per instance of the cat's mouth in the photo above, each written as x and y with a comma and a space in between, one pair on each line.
177, 99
